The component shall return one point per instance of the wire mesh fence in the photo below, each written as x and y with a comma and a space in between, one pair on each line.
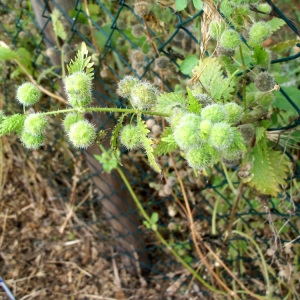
122, 43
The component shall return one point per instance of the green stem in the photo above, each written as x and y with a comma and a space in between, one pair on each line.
264, 264
228, 178
159, 236
106, 109
244, 77
214, 217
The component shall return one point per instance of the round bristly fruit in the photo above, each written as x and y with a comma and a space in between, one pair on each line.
126, 85
214, 113
35, 124
200, 157
82, 134
259, 32
78, 87
221, 135
28, 94
70, 119
233, 112
32, 141
129, 137
230, 39
264, 82
143, 95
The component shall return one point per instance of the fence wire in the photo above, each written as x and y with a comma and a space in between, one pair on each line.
271, 221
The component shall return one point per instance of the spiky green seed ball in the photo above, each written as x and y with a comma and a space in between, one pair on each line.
216, 28
259, 32
78, 87
176, 116
200, 157
264, 82
214, 113
226, 8
28, 94
32, 141
264, 7
233, 112
82, 134
130, 137
70, 119
186, 133
236, 148
143, 95
230, 39
126, 85
35, 124
221, 135
204, 130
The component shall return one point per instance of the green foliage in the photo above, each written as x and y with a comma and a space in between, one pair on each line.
109, 160
152, 224
193, 104
166, 102
210, 74
270, 168
167, 143
275, 24
115, 133
188, 64
180, 4
57, 24
6, 53
261, 57
12, 124
147, 143
82, 63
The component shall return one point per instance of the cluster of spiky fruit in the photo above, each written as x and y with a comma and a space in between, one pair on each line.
141, 94
210, 136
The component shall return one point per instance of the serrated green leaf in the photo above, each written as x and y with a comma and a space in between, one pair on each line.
7, 54
12, 124
180, 4
276, 23
260, 132
147, 144
188, 64
166, 102
198, 4
57, 24
210, 74
269, 169
115, 134
166, 144
261, 57
82, 62
282, 103
193, 104
108, 160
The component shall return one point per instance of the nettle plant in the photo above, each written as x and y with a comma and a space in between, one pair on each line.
219, 117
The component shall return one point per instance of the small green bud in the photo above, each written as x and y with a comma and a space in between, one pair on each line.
247, 132
214, 113
186, 133
221, 135
143, 95
28, 94
216, 28
82, 134
230, 39
35, 124
233, 112
264, 7
259, 32
200, 157
205, 127
78, 87
32, 141
70, 119
265, 99
264, 82
130, 137
126, 85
